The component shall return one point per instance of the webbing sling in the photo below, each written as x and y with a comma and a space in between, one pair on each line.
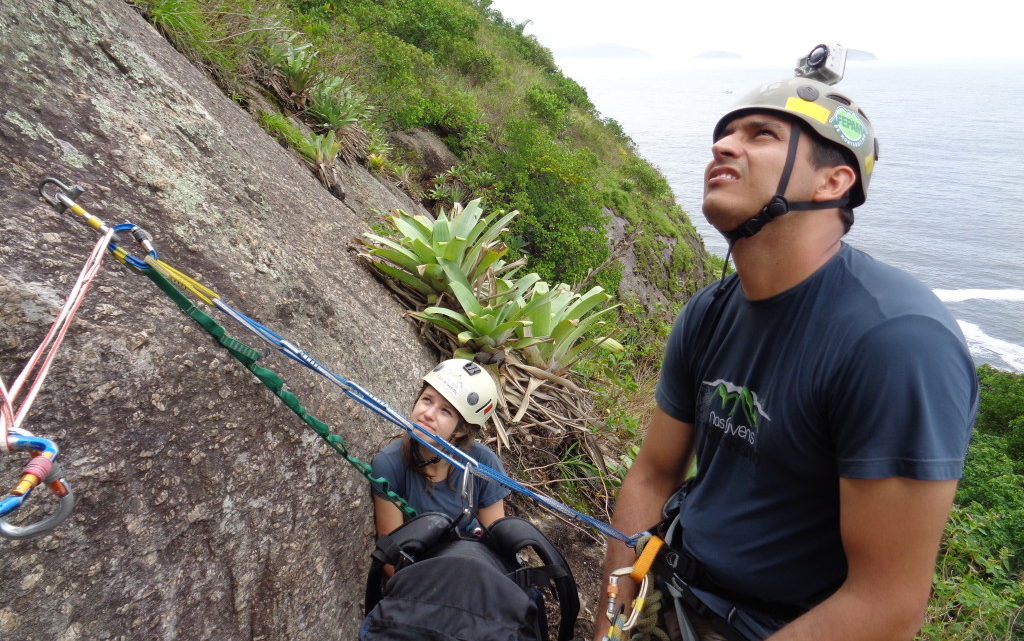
249, 357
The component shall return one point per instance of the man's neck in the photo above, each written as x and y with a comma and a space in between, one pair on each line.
782, 256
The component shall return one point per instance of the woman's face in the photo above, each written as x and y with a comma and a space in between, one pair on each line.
435, 413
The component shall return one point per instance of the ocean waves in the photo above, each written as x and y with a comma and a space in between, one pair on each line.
993, 349
960, 295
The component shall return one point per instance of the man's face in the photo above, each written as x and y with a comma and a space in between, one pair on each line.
747, 162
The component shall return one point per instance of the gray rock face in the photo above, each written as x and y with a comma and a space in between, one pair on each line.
437, 158
206, 509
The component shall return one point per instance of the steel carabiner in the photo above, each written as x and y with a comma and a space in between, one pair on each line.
39, 470
64, 199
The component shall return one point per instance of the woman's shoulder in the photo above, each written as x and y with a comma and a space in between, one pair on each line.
482, 453
390, 450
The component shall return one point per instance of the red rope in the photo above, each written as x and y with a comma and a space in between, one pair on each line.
34, 373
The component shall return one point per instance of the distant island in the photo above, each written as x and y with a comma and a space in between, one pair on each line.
719, 55
857, 54
603, 50
851, 54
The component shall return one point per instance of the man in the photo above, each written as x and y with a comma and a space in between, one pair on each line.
827, 398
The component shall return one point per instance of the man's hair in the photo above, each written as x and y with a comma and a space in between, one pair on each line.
825, 153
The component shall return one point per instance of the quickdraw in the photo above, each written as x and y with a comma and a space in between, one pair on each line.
162, 275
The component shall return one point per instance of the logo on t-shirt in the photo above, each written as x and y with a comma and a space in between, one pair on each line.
734, 416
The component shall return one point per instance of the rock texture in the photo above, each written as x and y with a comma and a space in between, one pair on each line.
434, 154
206, 510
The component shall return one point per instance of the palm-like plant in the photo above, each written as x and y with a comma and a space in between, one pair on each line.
460, 257
334, 105
432, 254
564, 319
320, 151
294, 70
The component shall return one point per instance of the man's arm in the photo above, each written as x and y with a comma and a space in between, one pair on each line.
891, 529
658, 470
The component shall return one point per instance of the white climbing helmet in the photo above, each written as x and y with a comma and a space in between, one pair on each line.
467, 386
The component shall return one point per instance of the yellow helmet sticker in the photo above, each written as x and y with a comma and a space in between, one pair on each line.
807, 108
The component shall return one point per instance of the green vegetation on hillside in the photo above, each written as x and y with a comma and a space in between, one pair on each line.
979, 583
526, 136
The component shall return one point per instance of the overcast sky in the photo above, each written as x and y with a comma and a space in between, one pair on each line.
777, 30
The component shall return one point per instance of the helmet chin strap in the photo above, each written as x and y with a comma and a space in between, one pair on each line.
778, 205
420, 461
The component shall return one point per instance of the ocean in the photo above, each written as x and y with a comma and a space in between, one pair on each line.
946, 201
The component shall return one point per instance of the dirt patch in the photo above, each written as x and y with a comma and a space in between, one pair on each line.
583, 551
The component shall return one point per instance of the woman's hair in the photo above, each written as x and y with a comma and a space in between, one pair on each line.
462, 437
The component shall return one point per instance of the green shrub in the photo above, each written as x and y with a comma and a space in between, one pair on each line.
975, 594
553, 186
334, 105
1001, 399
547, 106
571, 91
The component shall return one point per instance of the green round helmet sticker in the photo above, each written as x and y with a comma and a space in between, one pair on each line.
849, 126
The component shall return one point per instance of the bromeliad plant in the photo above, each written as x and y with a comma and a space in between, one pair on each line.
333, 105
428, 255
455, 264
293, 68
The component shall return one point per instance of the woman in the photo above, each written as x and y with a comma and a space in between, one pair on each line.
457, 397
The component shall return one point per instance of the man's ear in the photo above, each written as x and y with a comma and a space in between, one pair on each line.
835, 182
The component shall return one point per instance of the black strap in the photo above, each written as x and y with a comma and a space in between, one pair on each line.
537, 576
778, 205
824, 204
681, 570
387, 551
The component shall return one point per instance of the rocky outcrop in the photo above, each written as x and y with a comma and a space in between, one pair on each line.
206, 510
430, 151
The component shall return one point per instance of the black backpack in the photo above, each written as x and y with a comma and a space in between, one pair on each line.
448, 587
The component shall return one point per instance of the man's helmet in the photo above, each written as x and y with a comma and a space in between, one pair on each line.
467, 386
827, 112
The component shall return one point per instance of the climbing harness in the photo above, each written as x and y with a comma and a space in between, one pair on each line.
42, 467
162, 275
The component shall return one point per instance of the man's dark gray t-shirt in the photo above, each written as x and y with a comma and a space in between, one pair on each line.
857, 372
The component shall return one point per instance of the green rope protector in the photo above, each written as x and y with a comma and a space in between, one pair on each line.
249, 357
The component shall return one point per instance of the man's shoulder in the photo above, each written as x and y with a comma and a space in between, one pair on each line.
876, 288
871, 302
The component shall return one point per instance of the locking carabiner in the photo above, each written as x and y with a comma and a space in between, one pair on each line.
41, 469
142, 237
614, 611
